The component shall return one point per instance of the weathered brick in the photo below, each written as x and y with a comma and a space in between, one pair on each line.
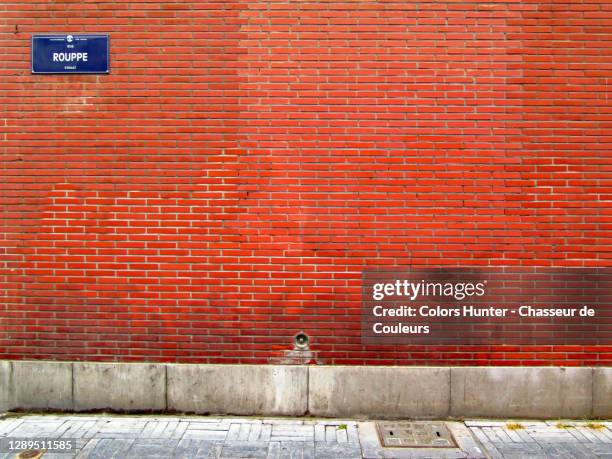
223, 187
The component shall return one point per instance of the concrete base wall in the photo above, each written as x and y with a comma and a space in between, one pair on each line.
5, 386
379, 392
238, 389
522, 392
119, 387
602, 393
39, 385
293, 390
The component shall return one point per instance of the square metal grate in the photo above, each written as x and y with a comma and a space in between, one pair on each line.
405, 434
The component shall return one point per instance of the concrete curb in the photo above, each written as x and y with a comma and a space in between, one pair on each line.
380, 392
238, 389
292, 390
41, 385
119, 387
5, 385
602, 393
519, 392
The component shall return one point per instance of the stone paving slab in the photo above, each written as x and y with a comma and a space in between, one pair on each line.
546, 439
115, 436
109, 436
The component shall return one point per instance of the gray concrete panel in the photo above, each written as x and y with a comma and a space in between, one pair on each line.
238, 389
379, 392
531, 392
602, 393
41, 385
119, 386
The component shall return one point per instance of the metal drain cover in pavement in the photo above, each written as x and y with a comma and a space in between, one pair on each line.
415, 434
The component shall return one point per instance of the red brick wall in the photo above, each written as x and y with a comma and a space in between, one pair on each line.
224, 186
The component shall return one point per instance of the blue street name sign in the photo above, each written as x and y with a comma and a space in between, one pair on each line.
70, 54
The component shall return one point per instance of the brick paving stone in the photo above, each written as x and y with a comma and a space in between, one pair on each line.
283, 421
487, 444
319, 432
352, 433
520, 450
238, 450
209, 435
545, 440
148, 430
524, 436
160, 429
108, 448
78, 429
600, 449
121, 429
200, 449
563, 450
32, 429
180, 429
7, 426
255, 432
154, 448
296, 450
587, 433
341, 436
578, 452
607, 433
288, 430
578, 436
266, 432
330, 434
513, 435
273, 450
289, 439
233, 432
50, 455
345, 451
245, 432
504, 434
491, 434
603, 435
88, 448
209, 426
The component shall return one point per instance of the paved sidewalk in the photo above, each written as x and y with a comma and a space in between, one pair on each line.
116, 436
549, 439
